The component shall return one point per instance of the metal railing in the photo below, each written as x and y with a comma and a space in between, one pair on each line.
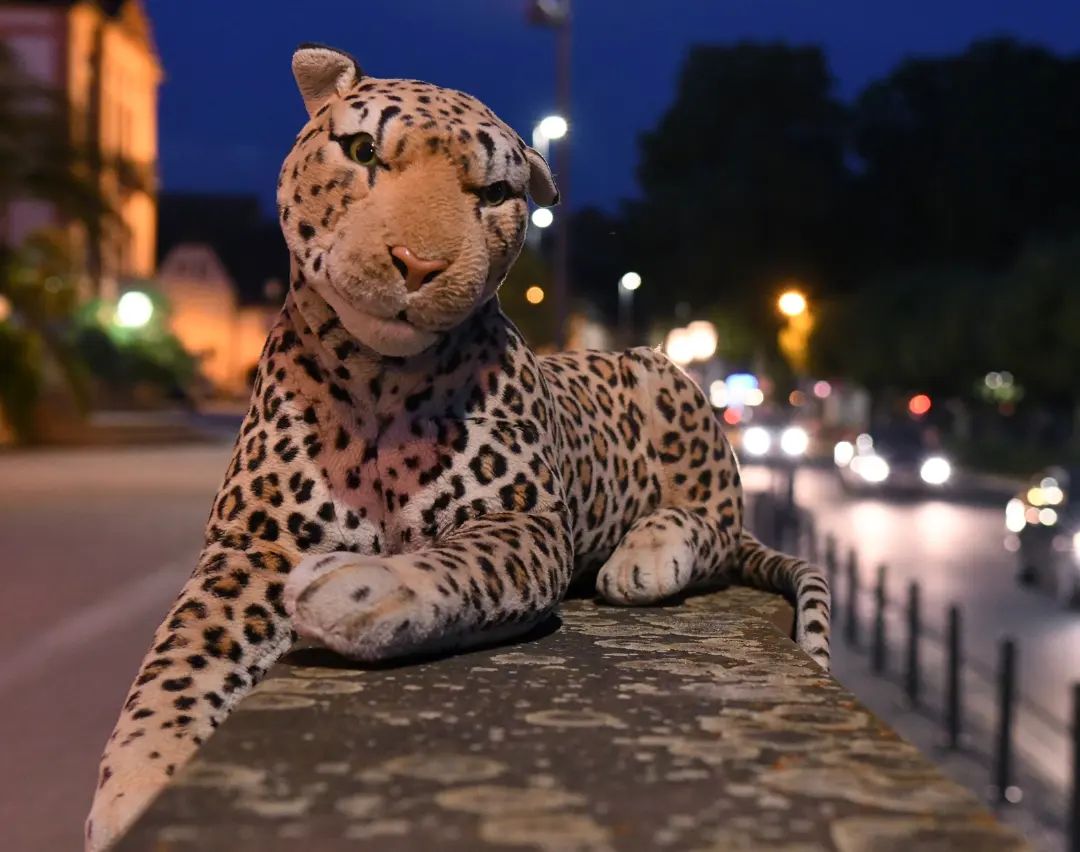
992, 740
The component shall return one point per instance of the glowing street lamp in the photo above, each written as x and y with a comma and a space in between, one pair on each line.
534, 295
792, 303
553, 127
703, 339
542, 217
627, 285
134, 309
794, 337
696, 342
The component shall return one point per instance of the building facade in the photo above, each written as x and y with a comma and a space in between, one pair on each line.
100, 55
208, 317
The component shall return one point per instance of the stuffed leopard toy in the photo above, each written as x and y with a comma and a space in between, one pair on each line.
410, 477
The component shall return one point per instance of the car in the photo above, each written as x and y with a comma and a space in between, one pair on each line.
1043, 529
898, 457
771, 438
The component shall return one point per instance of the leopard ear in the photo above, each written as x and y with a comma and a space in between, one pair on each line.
322, 73
541, 184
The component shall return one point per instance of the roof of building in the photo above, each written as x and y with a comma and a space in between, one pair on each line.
248, 242
131, 15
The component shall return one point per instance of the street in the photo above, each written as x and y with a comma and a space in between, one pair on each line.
97, 543
954, 550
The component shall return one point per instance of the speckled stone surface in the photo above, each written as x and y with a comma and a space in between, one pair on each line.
697, 726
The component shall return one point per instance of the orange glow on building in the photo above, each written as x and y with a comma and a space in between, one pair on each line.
102, 58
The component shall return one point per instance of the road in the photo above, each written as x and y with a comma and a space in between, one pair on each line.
954, 549
96, 543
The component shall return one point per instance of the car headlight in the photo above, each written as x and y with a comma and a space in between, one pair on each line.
843, 453
794, 441
1014, 515
871, 468
935, 471
756, 441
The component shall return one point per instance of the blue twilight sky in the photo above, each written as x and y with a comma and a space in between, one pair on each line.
229, 109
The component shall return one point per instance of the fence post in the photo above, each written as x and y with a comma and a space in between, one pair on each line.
851, 620
879, 648
953, 700
914, 628
810, 536
1074, 827
830, 561
1006, 697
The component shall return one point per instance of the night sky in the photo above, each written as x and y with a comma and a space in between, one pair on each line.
229, 108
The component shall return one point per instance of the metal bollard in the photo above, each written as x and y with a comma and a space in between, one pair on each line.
811, 540
830, 560
1074, 827
954, 709
879, 649
851, 620
914, 628
1006, 698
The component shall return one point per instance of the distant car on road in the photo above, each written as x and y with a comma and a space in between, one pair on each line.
1043, 526
897, 457
771, 437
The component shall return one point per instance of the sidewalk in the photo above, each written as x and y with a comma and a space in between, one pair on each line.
1036, 816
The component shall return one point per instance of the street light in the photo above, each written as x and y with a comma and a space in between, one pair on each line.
134, 309
791, 303
553, 127
556, 15
534, 295
794, 338
627, 285
542, 217
703, 339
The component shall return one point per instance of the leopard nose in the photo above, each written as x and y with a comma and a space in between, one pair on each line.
416, 271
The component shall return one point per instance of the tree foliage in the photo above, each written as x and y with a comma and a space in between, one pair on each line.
933, 220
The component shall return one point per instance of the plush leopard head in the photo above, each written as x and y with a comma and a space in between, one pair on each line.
402, 203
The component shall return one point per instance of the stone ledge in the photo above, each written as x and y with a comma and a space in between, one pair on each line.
692, 726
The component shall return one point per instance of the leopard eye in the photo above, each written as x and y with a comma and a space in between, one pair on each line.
361, 149
496, 193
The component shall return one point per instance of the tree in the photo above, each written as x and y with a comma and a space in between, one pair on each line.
1035, 317
38, 156
535, 321
964, 158
742, 180
919, 330
38, 284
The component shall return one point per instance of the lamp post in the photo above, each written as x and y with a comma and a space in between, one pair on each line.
556, 14
794, 341
627, 285
794, 337
553, 127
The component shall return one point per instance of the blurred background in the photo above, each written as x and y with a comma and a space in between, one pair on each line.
856, 224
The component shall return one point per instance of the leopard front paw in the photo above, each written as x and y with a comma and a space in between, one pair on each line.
637, 575
360, 607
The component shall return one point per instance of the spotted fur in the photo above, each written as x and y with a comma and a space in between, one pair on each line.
386, 503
